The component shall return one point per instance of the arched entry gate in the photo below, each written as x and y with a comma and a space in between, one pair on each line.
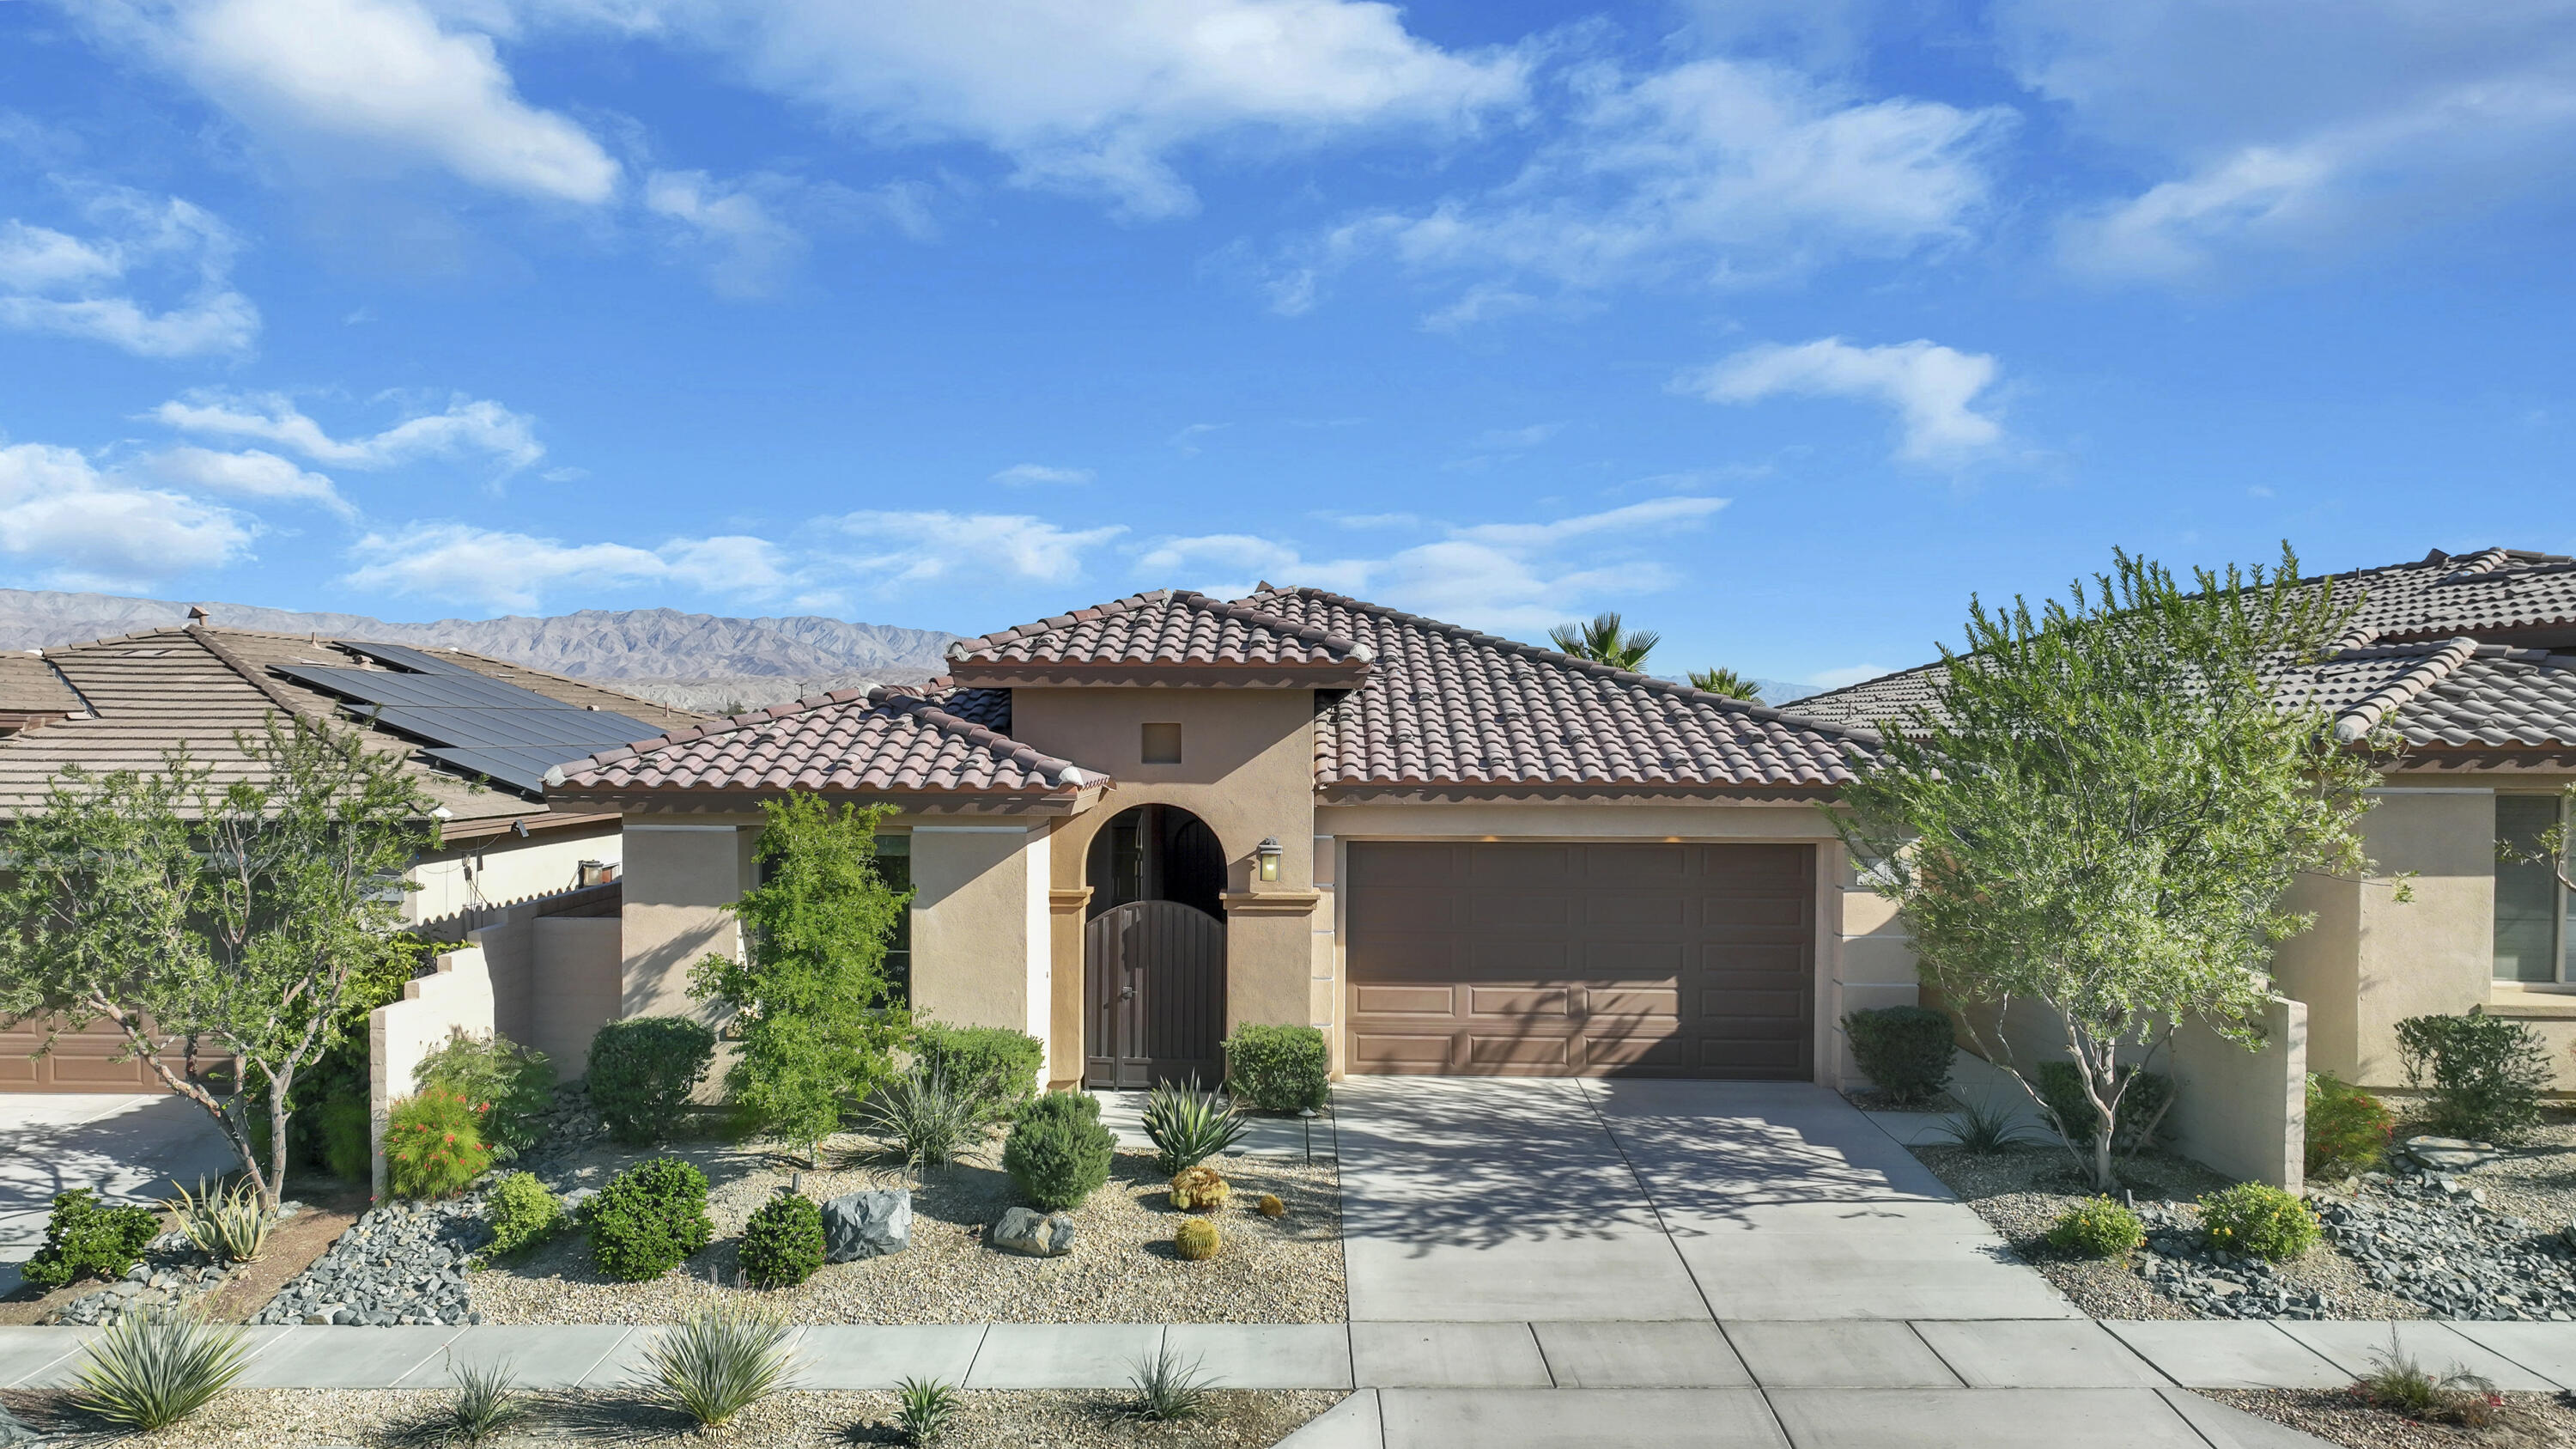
1153, 952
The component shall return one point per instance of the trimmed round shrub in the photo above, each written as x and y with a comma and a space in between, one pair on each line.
517, 1082
85, 1237
782, 1245
2484, 1074
1058, 1153
1196, 1240
1907, 1050
649, 1219
521, 1213
998, 1065
642, 1070
2258, 1220
434, 1145
2097, 1229
1278, 1068
2143, 1105
2348, 1129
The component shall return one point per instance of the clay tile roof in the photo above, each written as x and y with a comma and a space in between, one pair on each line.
1155, 634
31, 688
917, 739
1445, 706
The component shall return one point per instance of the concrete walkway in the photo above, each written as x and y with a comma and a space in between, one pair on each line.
125, 1148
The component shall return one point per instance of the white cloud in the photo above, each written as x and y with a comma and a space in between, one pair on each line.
1932, 388
247, 474
1512, 440
81, 528
1514, 578
1092, 99
51, 281
368, 86
920, 547
494, 569
1024, 474
469, 427
751, 249
1717, 170
2300, 127
1186, 441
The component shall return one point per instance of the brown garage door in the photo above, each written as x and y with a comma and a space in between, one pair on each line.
82, 1061
1531, 959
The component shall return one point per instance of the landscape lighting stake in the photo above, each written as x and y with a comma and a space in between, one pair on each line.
1306, 1119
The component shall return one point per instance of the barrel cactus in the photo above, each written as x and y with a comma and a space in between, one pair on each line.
1196, 1240
1198, 1189
1271, 1207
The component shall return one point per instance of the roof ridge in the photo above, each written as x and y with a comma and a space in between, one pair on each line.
2365, 714
1027, 756
1053, 622
1235, 609
257, 679
1692, 693
52, 650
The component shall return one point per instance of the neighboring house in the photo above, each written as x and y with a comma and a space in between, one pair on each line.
477, 733
1134, 826
2470, 661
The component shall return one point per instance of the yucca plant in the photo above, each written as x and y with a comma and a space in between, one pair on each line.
483, 1401
154, 1367
1167, 1389
923, 1409
927, 1118
1189, 1126
1985, 1127
228, 1224
718, 1362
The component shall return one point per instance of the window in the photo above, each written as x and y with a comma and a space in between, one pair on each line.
894, 866
2533, 939
1162, 744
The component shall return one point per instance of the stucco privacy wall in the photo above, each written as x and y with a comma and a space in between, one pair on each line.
574, 988
455, 996
507, 868
981, 926
678, 880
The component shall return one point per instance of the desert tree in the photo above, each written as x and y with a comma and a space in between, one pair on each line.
216, 918
2100, 811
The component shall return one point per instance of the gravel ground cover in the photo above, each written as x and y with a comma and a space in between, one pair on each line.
2523, 1421
2535, 1179
1122, 1268
987, 1419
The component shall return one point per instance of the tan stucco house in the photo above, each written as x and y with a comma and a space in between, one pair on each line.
1133, 826
2469, 660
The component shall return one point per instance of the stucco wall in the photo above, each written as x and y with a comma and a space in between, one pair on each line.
508, 869
678, 880
574, 988
981, 926
2435, 953
456, 996
2245, 1113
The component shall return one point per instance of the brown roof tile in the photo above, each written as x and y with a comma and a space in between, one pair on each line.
1167, 630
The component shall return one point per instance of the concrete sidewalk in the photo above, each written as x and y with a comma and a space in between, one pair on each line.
125, 1148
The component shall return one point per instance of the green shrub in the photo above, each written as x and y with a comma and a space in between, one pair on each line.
2097, 1229
649, 1219
2258, 1220
155, 1367
2348, 1129
2485, 1073
2143, 1105
434, 1145
1059, 1153
720, 1361
339, 1131
521, 1213
518, 1084
782, 1245
642, 1071
1906, 1050
995, 1064
1278, 1068
84, 1236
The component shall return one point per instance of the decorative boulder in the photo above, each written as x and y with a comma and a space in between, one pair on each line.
1031, 1235
1198, 1189
14, 1432
2450, 1154
867, 1224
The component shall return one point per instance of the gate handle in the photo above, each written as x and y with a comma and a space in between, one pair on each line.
1129, 994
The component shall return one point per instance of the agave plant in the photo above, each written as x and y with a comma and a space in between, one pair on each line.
923, 1408
228, 1224
1189, 1126
720, 1361
1985, 1127
156, 1366
925, 1117
1168, 1389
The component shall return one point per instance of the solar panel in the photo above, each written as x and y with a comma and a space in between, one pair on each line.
403, 656
470, 721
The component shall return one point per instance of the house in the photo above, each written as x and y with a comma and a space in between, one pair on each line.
476, 733
1133, 826
2470, 661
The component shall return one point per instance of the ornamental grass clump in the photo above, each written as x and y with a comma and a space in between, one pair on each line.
927, 1117
718, 1362
2100, 1228
2404, 1387
782, 1245
155, 1366
85, 1237
1059, 1153
1168, 1389
229, 1224
649, 1219
2258, 1220
482, 1403
1906, 1050
1986, 1127
1189, 1126
2348, 1129
434, 1144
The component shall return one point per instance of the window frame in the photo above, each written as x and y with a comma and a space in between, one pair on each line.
2562, 917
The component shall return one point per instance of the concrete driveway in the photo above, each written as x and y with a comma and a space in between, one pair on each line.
1567, 1200
124, 1148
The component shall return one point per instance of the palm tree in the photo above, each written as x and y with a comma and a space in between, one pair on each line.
1727, 682
1603, 642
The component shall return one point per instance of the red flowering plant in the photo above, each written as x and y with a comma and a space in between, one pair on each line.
434, 1144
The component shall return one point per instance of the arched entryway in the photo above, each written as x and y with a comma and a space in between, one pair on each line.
1153, 951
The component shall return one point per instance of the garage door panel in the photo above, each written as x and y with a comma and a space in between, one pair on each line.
1559, 958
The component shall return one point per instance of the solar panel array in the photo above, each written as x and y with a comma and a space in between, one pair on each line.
470, 721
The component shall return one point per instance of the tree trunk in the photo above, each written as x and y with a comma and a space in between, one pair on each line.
272, 1191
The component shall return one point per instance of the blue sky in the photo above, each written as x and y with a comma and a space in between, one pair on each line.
1779, 326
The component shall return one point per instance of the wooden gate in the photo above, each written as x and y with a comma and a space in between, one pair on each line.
1154, 975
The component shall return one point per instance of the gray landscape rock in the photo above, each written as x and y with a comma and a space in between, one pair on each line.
2450, 1154
14, 1432
1031, 1235
867, 1224
403, 1263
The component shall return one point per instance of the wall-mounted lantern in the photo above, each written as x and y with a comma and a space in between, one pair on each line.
1268, 851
